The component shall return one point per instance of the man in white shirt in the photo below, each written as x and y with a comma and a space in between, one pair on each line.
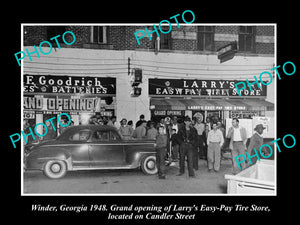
215, 140
238, 139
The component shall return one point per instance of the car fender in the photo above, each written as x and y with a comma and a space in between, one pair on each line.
139, 156
38, 157
63, 157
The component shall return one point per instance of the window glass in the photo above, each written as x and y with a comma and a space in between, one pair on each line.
114, 136
82, 135
205, 38
164, 39
99, 34
242, 29
246, 39
208, 28
249, 30
100, 135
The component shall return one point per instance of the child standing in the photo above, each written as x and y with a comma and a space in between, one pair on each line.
161, 152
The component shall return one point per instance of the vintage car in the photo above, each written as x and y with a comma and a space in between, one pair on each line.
91, 147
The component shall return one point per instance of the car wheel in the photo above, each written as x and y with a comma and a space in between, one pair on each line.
148, 165
55, 169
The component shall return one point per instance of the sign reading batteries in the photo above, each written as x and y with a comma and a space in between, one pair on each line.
189, 87
41, 84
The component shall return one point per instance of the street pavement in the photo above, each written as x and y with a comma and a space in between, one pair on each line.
130, 182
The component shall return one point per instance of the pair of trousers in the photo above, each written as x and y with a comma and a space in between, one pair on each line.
214, 156
186, 150
175, 152
195, 158
202, 153
238, 149
160, 161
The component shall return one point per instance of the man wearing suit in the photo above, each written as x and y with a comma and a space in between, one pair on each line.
256, 141
238, 139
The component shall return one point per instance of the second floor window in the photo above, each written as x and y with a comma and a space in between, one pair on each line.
205, 38
99, 34
164, 39
246, 38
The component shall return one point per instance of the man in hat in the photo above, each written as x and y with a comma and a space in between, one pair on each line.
255, 142
187, 139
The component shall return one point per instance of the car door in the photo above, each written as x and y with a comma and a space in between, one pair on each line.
78, 144
105, 150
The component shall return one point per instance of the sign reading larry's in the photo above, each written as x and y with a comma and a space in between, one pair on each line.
189, 87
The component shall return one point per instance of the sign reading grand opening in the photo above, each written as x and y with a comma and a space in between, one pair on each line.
189, 87
48, 84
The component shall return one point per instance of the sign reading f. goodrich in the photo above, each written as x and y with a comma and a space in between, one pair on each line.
189, 87
49, 84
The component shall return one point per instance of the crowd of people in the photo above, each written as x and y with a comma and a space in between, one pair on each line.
188, 140
184, 141
191, 140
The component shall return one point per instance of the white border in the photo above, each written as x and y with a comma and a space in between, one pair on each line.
148, 24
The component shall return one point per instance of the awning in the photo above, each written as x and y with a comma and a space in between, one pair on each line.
211, 104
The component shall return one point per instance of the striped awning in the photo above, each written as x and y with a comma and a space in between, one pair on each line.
211, 104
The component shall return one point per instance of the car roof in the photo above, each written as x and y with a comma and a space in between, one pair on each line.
92, 127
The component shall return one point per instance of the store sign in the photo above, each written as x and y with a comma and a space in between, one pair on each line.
48, 84
215, 107
77, 104
189, 87
168, 113
243, 114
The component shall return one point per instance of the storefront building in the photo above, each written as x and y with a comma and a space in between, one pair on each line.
183, 77
210, 97
46, 96
216, 100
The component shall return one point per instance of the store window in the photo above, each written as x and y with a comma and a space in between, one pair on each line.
246, 38
99, 34
205, 38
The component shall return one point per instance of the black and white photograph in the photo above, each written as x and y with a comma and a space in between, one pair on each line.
143, 114
144, 109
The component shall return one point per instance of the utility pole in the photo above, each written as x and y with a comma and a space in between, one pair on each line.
128, 66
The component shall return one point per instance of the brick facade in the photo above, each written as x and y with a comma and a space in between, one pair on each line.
182, 39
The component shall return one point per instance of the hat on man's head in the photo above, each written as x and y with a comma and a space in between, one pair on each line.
187, 118
259, 126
